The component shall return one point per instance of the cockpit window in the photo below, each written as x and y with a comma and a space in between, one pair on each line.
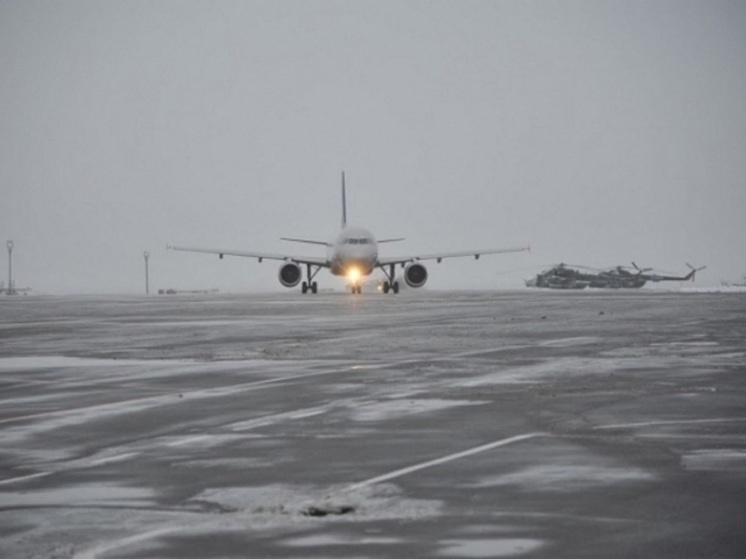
359, 241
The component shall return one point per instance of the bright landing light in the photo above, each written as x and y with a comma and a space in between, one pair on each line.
353, 275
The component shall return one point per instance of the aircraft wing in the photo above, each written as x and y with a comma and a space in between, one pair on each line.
387, 261
313, 260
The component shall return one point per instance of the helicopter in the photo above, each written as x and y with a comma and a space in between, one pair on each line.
618, 277
560, 277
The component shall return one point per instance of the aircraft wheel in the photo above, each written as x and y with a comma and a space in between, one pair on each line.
314, 287
304, 288
395, 287
386, 287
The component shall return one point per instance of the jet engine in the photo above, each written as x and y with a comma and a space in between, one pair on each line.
415, 275
289, 274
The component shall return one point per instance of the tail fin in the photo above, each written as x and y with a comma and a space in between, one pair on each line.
690, 275
344, 203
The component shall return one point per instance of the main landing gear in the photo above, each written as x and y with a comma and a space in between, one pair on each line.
390, 284
390, 287
305, 287
310, 285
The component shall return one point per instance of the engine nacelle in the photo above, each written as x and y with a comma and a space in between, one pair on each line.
289, 274
415, 274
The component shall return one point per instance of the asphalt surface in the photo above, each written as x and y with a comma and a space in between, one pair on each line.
428, 424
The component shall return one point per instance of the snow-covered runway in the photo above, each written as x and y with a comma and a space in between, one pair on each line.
474, 424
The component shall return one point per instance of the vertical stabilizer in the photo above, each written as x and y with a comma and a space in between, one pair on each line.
344, 203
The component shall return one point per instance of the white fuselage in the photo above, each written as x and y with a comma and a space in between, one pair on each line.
354, 253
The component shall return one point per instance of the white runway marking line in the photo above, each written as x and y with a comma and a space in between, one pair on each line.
267, 420
116, 458
189, 440
669, 422
443, 460
109, 546
25, 478
308, 413
98, 462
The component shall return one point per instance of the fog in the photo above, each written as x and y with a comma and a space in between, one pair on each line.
597, 132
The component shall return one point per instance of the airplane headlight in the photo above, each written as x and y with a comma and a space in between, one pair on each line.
353, 275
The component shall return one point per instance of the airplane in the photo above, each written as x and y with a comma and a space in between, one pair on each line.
352, 254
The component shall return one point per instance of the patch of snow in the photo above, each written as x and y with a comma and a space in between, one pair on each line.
498, 547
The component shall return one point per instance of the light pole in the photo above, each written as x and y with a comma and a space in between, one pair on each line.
9, 244
146, 254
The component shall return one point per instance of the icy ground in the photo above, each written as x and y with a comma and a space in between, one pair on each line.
527, 424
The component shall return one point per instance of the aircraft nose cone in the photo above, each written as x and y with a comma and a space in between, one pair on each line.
356, 253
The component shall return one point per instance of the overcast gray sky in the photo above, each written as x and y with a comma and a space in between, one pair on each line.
599, 132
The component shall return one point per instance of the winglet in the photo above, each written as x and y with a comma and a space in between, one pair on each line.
344, 203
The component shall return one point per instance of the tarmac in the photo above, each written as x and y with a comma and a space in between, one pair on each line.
428, 424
